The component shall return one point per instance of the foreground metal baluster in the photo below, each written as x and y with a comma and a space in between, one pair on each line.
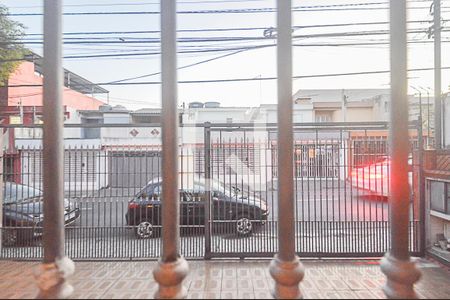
286, 267
52, 274
401, 273
172, 268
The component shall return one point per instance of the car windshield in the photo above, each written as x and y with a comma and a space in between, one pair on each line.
13, 192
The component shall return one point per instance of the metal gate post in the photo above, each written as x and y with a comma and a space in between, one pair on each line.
1, 185
437, 74
208, 221
421, 183
286, 267
52, 274
172, 268
401, 273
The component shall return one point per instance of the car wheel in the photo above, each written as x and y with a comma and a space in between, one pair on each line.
144, 230
244, 225
9, 237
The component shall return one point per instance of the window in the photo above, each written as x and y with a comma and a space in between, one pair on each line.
93, 132
150, 192
440, 196
324, 116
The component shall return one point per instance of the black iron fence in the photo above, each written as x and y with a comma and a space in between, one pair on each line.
112, 193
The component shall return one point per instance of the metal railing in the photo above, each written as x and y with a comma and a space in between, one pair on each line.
341, 176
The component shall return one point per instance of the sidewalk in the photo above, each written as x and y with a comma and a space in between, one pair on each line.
224, 279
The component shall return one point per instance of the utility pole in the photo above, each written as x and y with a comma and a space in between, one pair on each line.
420, 105
437, 73
427, 90
344, 106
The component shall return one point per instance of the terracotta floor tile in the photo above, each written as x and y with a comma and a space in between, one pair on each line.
260, 283
221, 279
229, 295
213, 284
195, 295
211, 295
263, 294
246, 294
347, 295
363, 294
197, 285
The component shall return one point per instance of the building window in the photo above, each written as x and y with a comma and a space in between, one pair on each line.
91, 132
440, 196
324, 116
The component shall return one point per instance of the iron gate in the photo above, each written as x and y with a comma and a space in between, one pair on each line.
341, 174
341, 178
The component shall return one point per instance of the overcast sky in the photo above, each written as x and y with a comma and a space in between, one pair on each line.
254, 63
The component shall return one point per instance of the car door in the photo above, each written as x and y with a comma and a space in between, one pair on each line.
197, 205
186, 209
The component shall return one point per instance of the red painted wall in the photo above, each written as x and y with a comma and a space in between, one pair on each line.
32, 96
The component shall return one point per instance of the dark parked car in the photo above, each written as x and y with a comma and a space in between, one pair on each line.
23, 213
228, 206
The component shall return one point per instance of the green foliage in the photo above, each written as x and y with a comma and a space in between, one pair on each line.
11, 32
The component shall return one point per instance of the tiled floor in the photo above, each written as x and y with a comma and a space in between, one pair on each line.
224, 279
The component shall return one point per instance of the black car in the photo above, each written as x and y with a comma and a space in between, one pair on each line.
228, 206
23, 213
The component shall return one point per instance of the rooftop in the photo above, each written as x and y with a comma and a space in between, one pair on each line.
71, 80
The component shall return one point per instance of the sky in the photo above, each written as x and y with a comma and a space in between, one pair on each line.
251, 63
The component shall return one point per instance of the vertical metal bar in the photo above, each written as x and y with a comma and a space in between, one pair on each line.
2, 153
207, 159
170, 208
172, 268
285, 268
399, 141
56, 267
285, 139
421, 184
437, 74
401, 273
428, 119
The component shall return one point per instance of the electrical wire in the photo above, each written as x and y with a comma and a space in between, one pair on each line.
321, 8
298, 27
242, 79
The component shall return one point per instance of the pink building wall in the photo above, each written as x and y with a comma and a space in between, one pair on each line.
32, 96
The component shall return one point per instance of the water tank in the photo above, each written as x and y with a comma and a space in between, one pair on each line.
212, 104
196, 105
105, 107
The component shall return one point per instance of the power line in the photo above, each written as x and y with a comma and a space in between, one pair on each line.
155, 53
232, 29
142, 4
243, 79
183, 67
323, 8
81, 41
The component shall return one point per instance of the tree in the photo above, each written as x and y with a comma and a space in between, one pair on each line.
11, 52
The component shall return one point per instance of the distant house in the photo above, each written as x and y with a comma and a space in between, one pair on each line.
349, 105
21, 102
